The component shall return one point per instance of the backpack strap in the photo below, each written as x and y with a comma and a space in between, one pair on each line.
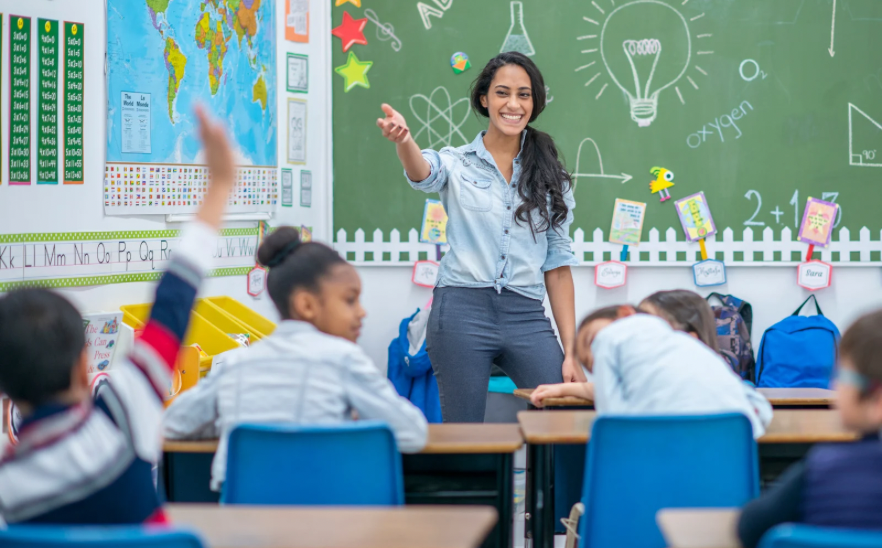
721, 298
805, 302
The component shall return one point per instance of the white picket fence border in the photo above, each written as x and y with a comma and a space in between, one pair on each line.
653, 246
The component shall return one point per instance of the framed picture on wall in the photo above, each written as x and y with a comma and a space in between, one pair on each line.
305, 188
298, 73
287, 188
296, 131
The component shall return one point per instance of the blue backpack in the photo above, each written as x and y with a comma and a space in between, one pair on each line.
798, 352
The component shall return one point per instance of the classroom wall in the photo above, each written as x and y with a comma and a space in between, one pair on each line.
68, 208
389, 296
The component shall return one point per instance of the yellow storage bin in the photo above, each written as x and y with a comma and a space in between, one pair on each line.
223, 321
209, 337
257, 324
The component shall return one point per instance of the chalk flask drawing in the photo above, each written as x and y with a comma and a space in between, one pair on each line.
517, 38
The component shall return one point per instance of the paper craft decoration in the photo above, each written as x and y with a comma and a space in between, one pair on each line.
627, 222
425, 273
695, 217
610, 274
434, 227
102, 333
256, 281
817, 222
813, 275
297, 21
350, 31
459, 61
664, 179
709, 273
354, 72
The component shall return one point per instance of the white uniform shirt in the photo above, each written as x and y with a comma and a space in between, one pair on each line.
297, 375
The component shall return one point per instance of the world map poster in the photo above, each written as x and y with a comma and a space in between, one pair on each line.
163, 58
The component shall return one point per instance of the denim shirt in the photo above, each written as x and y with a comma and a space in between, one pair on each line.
488, 247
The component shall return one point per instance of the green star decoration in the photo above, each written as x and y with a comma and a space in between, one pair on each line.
354, 72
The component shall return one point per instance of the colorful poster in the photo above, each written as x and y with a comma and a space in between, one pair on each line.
434, 228
695, 217
20, 100
47, 101
817, 222
297, 20
102, 333
74, 88
627, 222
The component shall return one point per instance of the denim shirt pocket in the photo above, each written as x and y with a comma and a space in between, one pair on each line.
475, 193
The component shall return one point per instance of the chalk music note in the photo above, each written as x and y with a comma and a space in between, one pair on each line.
385, 32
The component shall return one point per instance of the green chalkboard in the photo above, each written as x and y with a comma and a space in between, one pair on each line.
761, 103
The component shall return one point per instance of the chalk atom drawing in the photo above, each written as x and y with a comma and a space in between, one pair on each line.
439, 117
517, 38
591, 170
866, 133
642, 66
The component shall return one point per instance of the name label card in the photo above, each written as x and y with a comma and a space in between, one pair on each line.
610, 274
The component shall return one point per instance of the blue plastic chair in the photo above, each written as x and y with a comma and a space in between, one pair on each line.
123, 536
638, 465
807, 536
346, 464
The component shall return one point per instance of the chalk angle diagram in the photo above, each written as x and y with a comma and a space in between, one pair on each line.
641, 65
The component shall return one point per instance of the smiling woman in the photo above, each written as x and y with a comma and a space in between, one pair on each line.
509, 201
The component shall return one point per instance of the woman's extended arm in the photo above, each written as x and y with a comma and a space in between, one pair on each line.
395, 129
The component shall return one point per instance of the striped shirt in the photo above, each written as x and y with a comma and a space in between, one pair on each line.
91, 463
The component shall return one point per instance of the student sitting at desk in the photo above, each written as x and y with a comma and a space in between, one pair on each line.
82, 463
837, 485
641, 365
309, 371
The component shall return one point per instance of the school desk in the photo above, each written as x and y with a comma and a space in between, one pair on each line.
699, 527
461, 464
335, 527
788, 438
794, 398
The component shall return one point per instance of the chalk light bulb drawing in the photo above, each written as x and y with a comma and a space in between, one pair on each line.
646, 47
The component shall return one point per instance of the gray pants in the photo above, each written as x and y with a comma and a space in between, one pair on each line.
471, 329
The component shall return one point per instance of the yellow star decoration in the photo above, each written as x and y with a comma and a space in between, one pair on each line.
354, 72
341, 2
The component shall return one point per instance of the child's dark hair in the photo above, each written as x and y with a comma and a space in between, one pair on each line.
293, 265
861, 345
607, 313
687, 311
544, 179
41, 341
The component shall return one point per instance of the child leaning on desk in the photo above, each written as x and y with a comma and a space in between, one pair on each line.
643, 364
79, 462
836, 485
309, 371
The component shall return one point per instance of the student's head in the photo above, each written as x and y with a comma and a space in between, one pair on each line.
42, 349
510, 91
686, 311
594, 324
859, 375
312, 283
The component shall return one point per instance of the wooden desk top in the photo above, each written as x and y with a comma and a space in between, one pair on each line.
788, 426
336, 527
699, 527
443, 438
778, 397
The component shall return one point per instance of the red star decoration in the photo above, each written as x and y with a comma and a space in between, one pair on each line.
350, 31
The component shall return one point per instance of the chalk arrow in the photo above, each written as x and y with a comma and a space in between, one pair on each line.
832, 31
624, 176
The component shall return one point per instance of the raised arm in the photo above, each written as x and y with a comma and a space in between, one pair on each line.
395, 129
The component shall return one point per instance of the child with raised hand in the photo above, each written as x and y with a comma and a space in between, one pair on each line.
642, 365
309, 371
836, 485
84, 462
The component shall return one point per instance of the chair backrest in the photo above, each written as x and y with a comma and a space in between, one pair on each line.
344, 464
636, 466
117, 536
808, 536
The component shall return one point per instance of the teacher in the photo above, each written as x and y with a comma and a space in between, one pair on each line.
509, 201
